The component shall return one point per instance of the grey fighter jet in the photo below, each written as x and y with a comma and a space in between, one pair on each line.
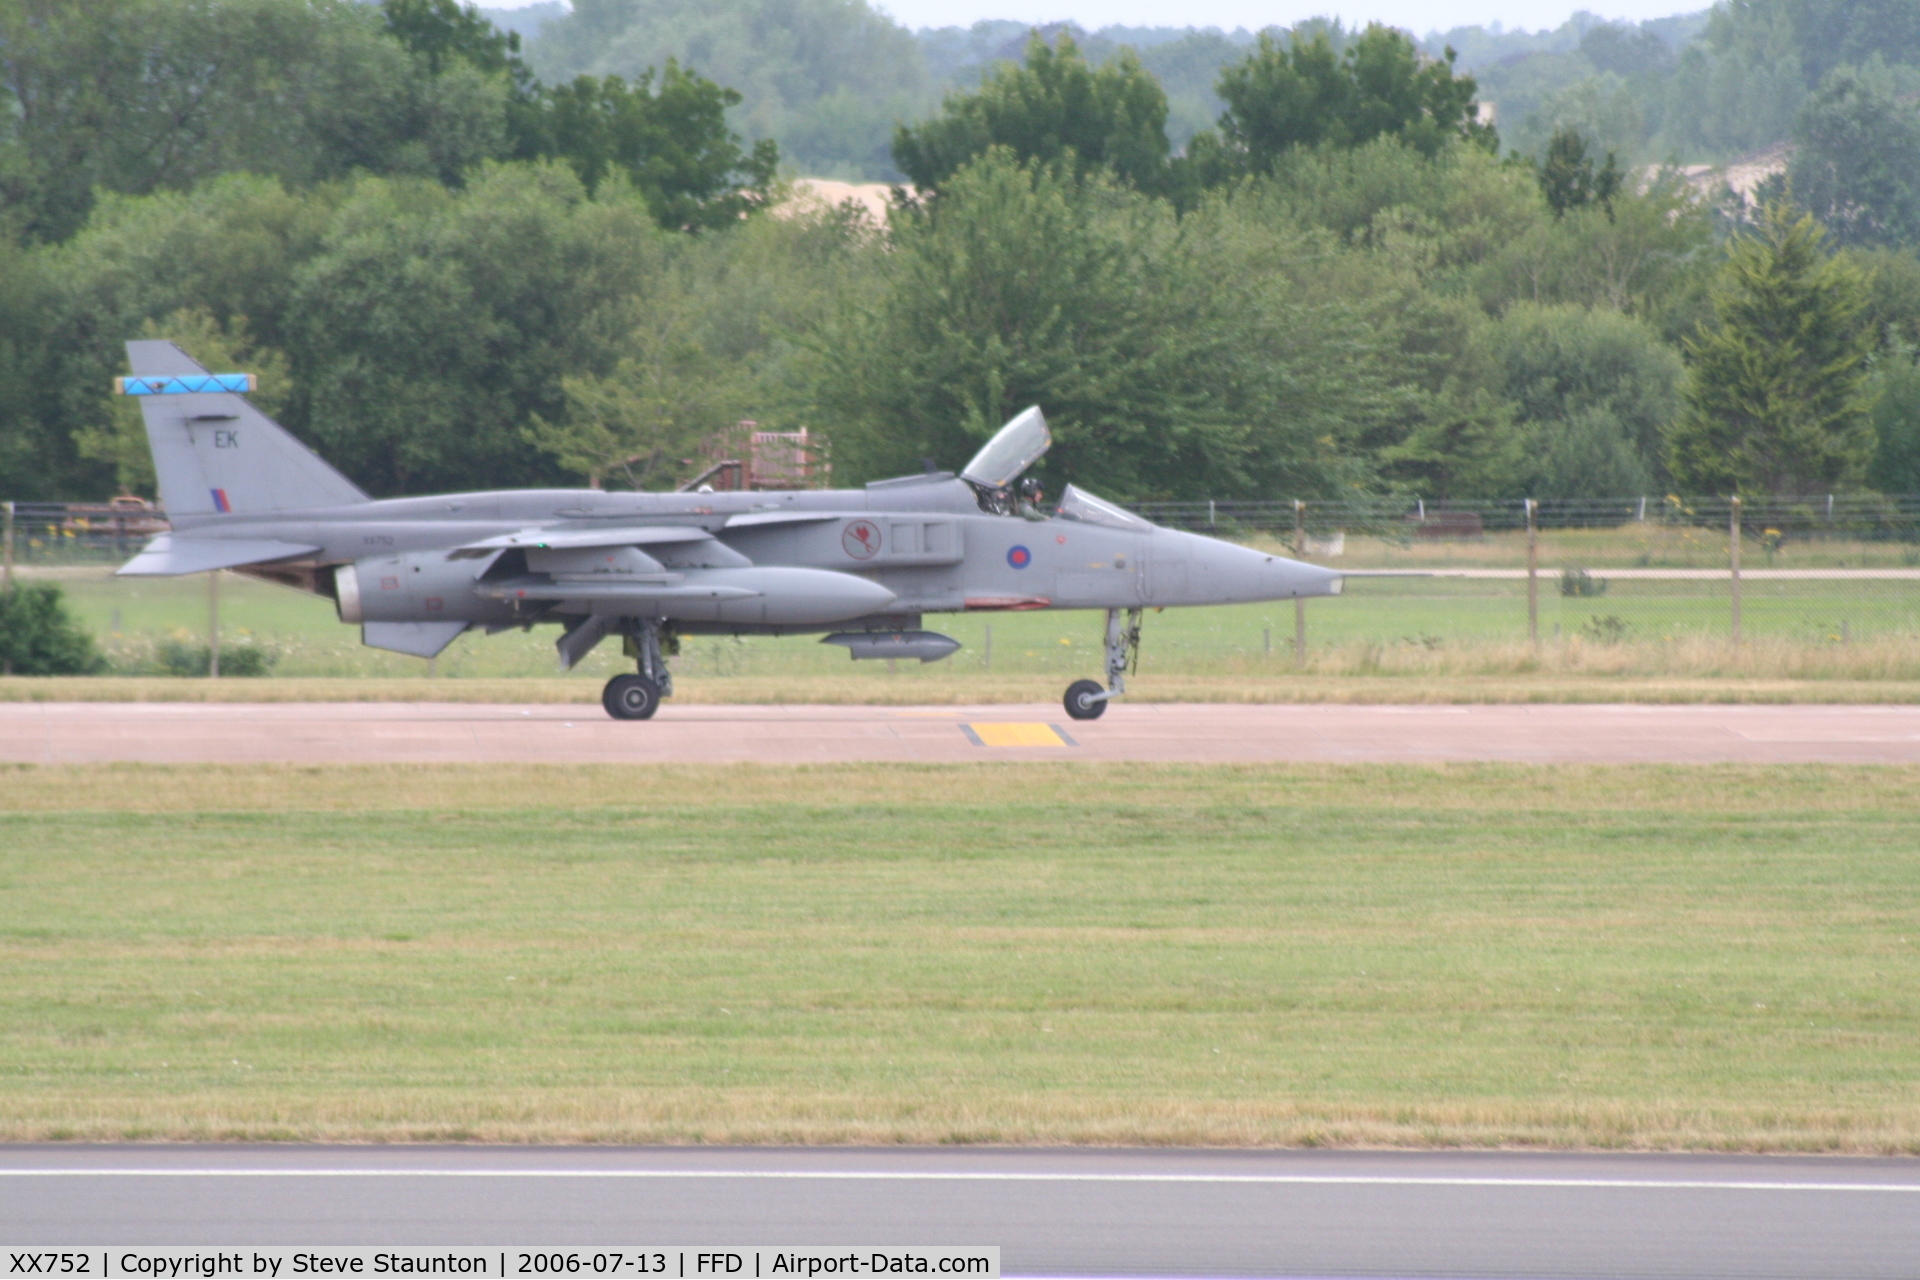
862, 566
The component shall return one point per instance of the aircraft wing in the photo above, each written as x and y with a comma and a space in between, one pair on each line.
170, 554
626, 536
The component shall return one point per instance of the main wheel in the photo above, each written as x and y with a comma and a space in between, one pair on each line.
1084, 701
631, 698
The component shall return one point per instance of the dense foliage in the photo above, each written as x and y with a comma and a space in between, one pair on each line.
450, 272
39, 637
1054, 108
141, 96
1776, 397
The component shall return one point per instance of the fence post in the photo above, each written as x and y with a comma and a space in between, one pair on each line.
1533, 573
6, 667
1299, 602
1733, 562
213, 625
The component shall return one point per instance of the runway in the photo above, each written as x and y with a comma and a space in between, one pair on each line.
1089, 1213
422, 733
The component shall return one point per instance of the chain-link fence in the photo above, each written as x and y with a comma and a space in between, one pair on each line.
1818, 570
69, 533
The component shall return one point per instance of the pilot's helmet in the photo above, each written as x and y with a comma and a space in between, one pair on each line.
1031, 491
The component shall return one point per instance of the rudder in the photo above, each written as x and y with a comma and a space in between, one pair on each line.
215, 454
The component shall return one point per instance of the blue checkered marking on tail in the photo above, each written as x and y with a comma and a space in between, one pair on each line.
184, 384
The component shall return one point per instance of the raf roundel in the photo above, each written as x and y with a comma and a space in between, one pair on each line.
1019, 557
861, 539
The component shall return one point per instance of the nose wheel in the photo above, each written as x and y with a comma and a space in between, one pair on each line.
1087, 699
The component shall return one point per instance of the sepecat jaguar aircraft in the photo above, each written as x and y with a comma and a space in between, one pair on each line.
863, 566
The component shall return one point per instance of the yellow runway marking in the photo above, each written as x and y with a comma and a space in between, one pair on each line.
1016, 735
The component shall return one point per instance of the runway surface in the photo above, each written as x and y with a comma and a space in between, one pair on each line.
418, 733
1154, 1213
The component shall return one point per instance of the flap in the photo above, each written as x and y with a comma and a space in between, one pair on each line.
632, 536
170, 554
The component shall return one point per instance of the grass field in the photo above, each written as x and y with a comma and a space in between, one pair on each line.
1723, 958
1425, 629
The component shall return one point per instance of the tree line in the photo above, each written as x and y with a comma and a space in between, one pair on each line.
1342, 287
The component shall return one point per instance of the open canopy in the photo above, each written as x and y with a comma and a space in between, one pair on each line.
1013, 449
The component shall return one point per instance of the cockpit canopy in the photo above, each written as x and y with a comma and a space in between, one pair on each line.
1014, 448
1078, 504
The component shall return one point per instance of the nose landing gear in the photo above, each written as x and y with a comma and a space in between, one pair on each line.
637, 697
1086, 699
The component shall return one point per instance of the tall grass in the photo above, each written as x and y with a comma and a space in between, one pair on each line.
1686, 656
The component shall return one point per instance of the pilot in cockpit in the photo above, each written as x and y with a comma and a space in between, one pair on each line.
1032, 495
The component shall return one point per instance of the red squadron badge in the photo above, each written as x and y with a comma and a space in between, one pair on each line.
861, 539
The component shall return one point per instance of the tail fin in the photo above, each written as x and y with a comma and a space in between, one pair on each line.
216, 454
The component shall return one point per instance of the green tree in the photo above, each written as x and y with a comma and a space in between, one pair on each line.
1832, 33
1895, 392
433, 325
443, 31
671, 144
828, 78
1594, 393
1776, 394
1856, 160
38, 461
1568, 179
136, 96
38, 637
668, 393
1292, 93
1464, 444
1021, 286
1650, 255
139, 96
1738, 86
1054, 109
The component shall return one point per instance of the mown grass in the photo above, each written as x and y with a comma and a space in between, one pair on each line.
1719, 958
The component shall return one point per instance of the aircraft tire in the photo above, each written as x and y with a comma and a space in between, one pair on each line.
631, 698
1082, 701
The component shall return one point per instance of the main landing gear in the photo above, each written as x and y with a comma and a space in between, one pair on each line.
637, 697
1086, 699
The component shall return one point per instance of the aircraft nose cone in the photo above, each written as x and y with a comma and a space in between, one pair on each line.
1224, 573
